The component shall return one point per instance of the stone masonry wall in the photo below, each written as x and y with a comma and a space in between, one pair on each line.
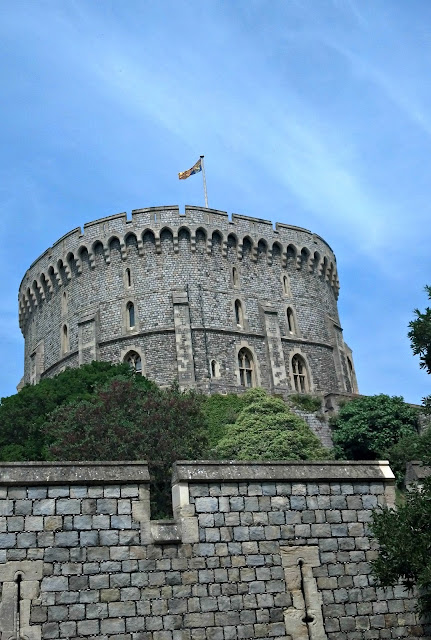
73, 301
270, 550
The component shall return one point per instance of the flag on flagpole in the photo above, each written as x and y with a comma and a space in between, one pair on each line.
195, 169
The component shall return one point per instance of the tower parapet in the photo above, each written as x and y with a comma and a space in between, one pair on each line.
218, 303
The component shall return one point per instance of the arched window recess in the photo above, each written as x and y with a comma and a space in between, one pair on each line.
134, 361
235, 277
247, 375
300, 374
291, 323
239, 314
215, 369
130, 315
64, 339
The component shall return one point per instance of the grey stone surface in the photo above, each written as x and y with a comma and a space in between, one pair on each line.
233, 580
178, 272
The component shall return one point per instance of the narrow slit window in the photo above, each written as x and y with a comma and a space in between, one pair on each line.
235, 277
64, 303
290, 321
239, 315
128, 278
131, 315
64, 339
286, 286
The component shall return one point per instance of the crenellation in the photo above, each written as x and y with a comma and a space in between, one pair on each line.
197, 251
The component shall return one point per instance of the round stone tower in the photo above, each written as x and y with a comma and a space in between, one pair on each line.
216, 304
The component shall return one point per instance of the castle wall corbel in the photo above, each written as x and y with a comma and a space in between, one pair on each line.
140, 246
158, 243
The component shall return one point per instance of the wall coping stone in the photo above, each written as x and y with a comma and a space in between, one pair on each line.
40, 473
298, 471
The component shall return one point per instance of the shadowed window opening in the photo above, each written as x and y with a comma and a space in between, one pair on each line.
64, 339
239, 315
235, 277
246, 368
134, 360
299, 374
131, 314
290, 320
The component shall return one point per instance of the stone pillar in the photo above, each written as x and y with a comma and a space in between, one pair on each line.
88, 337
183, 340
274, 347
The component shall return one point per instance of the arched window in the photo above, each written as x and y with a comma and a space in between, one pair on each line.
64, 304
64, 339
246, 368
290, 321
235, 277
239, 315
215, 369
128, 278
286, 286
133, 359
131, 314
300, 378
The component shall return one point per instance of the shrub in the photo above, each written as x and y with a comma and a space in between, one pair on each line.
120, 422
366, 428
267, 430
23, 414
220, 411
306, 402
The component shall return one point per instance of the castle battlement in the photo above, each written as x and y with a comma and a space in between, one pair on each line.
66, 251
118, 285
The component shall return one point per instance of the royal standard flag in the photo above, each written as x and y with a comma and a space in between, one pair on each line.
195, 169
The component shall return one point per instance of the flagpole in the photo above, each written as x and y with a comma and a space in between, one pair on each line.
205, 182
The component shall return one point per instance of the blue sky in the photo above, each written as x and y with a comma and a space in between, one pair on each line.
310, 113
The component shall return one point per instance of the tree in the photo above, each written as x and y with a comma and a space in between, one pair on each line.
23, 414
420, 335
365, 428
121, 422
420, 339
266, 429
404, 535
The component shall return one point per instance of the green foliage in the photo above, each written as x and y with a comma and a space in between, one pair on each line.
420, 335
267, 430
404, 535
366, 428
22, 415
306, 402
220, 411
405, 544
121, 422
413, 446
